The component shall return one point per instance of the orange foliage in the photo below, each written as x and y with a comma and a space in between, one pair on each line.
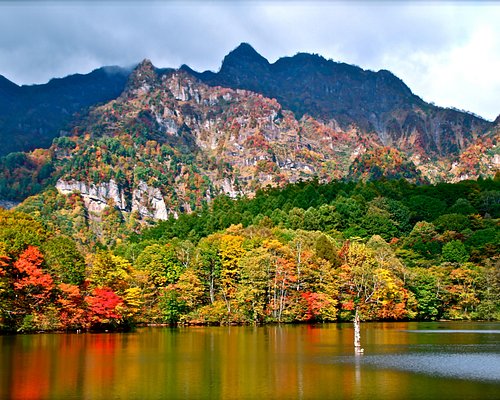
33, 281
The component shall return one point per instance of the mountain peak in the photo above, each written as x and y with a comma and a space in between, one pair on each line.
245, 49
243, 55
145, 69
497, 120
143, 76
146, 63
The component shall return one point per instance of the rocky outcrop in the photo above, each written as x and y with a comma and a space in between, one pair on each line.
95, 197
146, 200
149, 202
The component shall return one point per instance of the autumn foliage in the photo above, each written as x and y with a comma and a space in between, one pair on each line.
307, 253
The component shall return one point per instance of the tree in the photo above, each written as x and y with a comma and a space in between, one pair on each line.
488, 202
455, 252
178, 299
424, 240
386, 257
283, 279
427, 288
462, 291
71, 306
108, 270
326, 249
379, 223
19, 231
103, 308
161, 263
377, 291
6, 291
252, 292
462, 206
489, 292
64, 260
131, 308
351, 212
230, 252
209, 265
170, 305
33, 288
452, 222
425, 208
296, 218
190, 289
32, 282
319, 307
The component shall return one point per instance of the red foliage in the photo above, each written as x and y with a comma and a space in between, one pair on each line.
393, 311
315, 303
257, 141
102, 304
394, 241
348, 305
344, 250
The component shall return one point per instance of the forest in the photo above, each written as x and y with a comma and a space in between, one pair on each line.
308, 252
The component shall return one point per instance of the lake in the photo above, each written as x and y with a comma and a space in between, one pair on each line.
406, 360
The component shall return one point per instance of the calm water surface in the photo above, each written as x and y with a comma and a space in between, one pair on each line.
401, 361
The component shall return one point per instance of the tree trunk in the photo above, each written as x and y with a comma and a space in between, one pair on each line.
357, 335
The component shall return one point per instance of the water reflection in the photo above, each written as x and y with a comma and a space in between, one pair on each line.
279, 362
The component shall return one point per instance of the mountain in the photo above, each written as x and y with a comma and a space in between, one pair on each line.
186, 142
8, 89
345, 94
32, 116
172, 140
334, 93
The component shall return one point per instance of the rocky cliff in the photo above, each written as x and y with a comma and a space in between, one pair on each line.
377, 102
148, 202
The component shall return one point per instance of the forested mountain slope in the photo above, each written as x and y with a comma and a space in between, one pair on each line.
32, 116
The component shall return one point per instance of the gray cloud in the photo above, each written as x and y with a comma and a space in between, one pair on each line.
416, 41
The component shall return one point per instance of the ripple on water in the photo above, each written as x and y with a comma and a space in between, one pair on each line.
467, 331
471, 366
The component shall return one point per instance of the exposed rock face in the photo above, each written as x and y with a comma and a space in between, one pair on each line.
257, 142
240, 141
143, 78
95, 197
374, 101
147, 201
481, 158
183, 88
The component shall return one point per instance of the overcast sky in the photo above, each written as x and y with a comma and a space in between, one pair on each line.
446, 52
